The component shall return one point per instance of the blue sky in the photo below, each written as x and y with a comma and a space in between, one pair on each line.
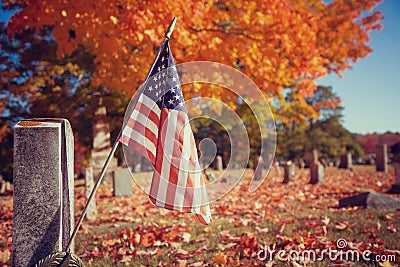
371, 90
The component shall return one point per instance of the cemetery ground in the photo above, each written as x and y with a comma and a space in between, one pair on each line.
298, 216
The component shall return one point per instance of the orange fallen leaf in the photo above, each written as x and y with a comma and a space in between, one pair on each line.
219, 258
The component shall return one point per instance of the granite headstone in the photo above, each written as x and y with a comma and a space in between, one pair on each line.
218, 163
372, 200
346, 161
289, 170
43, 218
381, 158
89, 183
122, 183
396, 165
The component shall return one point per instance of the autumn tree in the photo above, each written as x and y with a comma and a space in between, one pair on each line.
325, 132
73, 48
280, 44
35, 83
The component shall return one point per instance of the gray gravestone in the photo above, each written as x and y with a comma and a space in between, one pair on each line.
89, 183
43, 189
345, 161
289, 170
395, 189
371, 200
381, 158
258, 167
137, 167
316, 168
396, 165
317, 173
122, 182
2, 185
301, 164
218, 163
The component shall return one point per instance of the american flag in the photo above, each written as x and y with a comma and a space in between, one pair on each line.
158, 128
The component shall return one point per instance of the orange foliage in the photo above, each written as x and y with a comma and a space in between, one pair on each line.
280, 43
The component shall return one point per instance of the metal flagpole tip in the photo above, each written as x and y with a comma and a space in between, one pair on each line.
170, 28
60, 259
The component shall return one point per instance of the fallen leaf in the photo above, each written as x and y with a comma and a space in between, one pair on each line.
4, 256
325, 220
219, 258
186, 237
341, 225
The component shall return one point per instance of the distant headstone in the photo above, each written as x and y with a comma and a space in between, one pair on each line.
316, 168
381, 158
396, 164
145, 165
301, 164
2, 185
122, 183
258, 167
345, 161
397, 172
101, 142
137, 167
317, 173
371, 200
289, 170
395, 149
89, 183
218, 163
43, 189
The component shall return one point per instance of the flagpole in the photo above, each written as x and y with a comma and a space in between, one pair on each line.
116, 143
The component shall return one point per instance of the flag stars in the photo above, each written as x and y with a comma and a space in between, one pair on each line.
174, 79
171, 101
155, 78
150, 88
177, 97
173, 90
